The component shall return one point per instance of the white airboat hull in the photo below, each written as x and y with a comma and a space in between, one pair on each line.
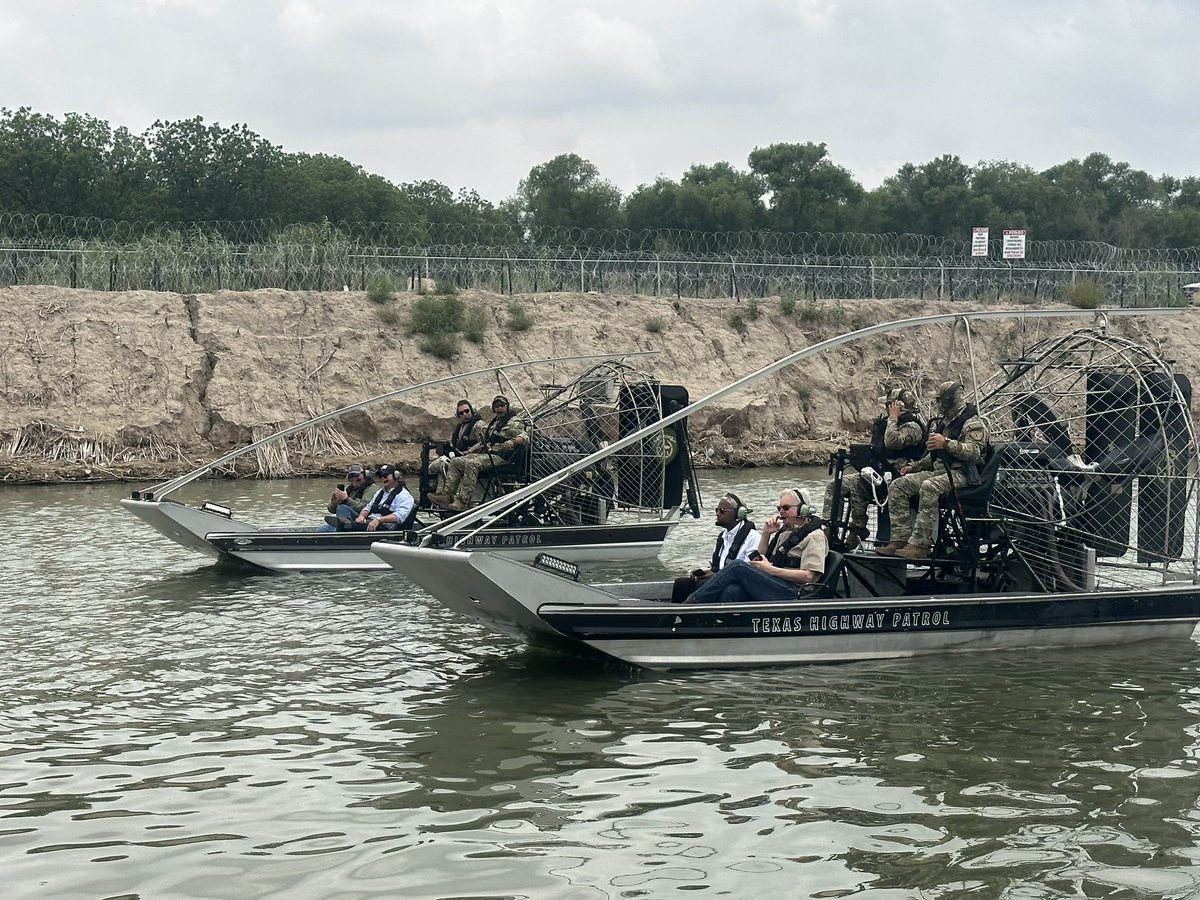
619, 621
284, 550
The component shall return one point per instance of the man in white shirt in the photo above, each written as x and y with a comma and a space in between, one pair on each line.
391, 508
737, 540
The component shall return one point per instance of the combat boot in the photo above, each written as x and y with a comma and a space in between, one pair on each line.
914, 551
891, 549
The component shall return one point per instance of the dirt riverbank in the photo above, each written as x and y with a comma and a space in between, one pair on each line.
143, 385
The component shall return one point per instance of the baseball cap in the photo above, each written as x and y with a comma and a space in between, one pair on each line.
385, 471
500, 398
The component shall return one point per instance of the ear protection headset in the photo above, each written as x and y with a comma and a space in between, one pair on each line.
803, 509
741, 511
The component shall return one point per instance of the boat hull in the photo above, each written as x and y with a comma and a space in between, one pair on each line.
280, 550
542, 608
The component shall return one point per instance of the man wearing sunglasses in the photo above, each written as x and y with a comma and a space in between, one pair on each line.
791, 555
738, 540
463, 438
498, 444
350, 497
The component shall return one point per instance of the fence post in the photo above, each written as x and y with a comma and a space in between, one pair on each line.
733, 287
582, 289
657, 274
112, 273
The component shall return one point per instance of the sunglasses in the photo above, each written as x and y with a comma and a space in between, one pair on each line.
354, 475
464, 412
784, 507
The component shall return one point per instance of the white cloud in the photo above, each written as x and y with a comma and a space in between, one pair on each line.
476, 92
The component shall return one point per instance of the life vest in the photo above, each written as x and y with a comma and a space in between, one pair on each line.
381, 505
778, 551
463, 438
735, 546
492, 435
953, 430
911, 452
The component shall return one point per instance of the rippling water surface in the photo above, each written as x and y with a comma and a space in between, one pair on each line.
169, 728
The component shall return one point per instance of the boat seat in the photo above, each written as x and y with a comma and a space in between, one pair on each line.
498, 479
827, 585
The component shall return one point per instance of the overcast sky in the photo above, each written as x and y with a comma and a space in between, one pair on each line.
474, 93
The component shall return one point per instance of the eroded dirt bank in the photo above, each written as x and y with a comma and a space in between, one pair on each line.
142, 385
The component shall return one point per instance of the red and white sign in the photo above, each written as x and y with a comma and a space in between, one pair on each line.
1014, 243
979, 242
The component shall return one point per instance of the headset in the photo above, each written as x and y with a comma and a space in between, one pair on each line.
741, 511
803, 509
947, 395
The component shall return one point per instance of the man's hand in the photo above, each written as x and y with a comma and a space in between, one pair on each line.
338, 497
373, 525
771, 525
894, 409
904, 470
936, 442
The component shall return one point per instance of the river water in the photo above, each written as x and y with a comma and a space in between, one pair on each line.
169, 728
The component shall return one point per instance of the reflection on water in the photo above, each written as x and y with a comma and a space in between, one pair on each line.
174, 729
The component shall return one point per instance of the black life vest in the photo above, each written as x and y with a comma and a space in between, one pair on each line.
735, 546
909, 451
463, 438
777, 551
492, 436
382, 505
953, 430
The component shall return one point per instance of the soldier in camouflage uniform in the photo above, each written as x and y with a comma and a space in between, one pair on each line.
957, 444
503, 435
897, 440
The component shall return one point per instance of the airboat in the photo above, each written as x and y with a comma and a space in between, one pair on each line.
620, 507
1083, 533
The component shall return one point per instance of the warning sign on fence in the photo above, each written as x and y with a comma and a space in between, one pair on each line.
979, 242
1014, 243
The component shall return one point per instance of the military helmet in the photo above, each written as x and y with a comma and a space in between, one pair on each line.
904, 395
951, 395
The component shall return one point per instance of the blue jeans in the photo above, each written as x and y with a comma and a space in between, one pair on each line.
740, 582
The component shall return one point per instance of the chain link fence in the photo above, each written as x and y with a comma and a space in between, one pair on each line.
208, 256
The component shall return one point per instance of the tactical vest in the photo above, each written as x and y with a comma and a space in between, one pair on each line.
463, 438
735, 546
953, 431
779, 555
492, 436
908, 451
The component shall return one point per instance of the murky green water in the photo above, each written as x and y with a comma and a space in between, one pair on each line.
170, 729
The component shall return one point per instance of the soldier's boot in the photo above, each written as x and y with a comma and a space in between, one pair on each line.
891, 549
914, 551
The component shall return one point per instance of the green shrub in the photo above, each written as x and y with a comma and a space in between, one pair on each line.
1085, 294
818, 314
752, 309
787, 305
654, 324
433, 315
475, 322
445, 288
518, 317
389, 314
737, 322
443, 346
380, 290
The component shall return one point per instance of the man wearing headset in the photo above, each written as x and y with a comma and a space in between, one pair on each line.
897, 440
957, 445
738, 540
791, 554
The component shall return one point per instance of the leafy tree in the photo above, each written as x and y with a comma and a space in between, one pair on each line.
567, 192
808, 191
708, 199
206, 172
935, 198
319, 187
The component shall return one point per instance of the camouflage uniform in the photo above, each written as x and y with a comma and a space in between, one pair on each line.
462, 472
897, 436
928, 477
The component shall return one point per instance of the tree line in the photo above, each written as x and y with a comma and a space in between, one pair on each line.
190, 171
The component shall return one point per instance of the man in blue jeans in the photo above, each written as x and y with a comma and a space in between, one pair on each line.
791, 554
